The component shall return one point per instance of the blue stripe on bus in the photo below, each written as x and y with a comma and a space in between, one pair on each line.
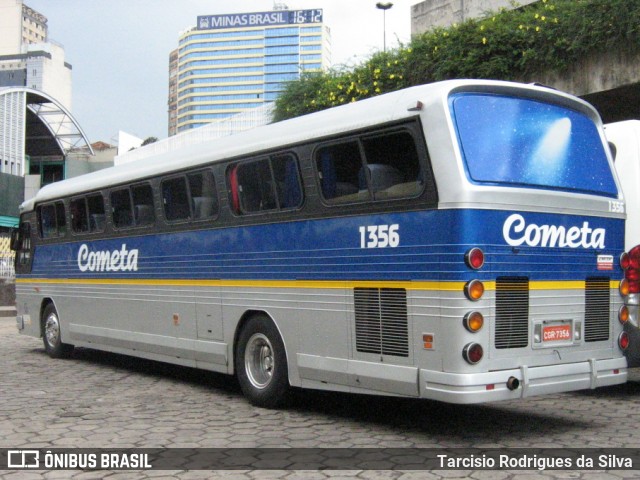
431, 247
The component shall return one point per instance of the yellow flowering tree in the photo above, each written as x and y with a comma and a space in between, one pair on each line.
548, 34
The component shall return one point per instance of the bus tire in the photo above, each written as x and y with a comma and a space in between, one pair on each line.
261, 363
52, 334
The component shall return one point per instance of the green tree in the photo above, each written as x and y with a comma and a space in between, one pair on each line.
504, 45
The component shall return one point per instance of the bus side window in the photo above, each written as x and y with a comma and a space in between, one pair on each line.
393, 165
47, 221
204, 198
23, 255
143, 209
97, 217
287, 181
79, 219
61, 219
175, 199
52, 220
255, 187
339, 168
121, 208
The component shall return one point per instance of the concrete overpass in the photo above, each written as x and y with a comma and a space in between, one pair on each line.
610, 81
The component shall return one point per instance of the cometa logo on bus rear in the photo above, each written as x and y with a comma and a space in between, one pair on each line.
516, 232
122, 260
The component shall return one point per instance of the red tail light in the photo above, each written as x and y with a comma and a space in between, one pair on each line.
472, 353
623, 340
634, 258
624, 260
631, 263
474, 258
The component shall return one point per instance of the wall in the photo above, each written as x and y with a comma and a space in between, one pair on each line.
12, 188
443, 13
10, 26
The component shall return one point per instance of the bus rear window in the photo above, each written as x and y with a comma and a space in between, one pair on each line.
527, 143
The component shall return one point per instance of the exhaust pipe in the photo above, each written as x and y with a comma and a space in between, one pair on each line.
513, 383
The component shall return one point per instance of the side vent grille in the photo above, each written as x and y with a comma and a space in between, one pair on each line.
597, 309
512, 312
381, 321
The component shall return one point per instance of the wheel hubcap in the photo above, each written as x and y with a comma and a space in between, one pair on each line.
52, 330
258, 360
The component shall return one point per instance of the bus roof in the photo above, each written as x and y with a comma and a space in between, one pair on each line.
346, 118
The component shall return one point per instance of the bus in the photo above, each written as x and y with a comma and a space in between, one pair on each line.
458, 241
624, 140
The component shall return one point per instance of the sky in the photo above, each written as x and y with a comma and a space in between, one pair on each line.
119, 50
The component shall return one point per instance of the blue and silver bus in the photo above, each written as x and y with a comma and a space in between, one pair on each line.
457, 241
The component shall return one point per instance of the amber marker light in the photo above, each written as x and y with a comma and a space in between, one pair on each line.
624, 287
623, 314
474, 289
473, 321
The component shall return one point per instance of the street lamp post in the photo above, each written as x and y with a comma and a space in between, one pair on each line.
384, 6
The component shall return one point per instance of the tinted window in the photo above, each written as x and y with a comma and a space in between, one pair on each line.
393, 165
52, 220
338, 168
192, 196
372, 167
97, 217
23, 255
143, 210
204, 199
523, 142
79, 216
287, 181
255, 187
121, 208
175, 199
263, 185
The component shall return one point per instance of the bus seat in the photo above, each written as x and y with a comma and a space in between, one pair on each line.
344, 188
97, 221
383, 176
122, 218
143, 214
328, 177
203, 207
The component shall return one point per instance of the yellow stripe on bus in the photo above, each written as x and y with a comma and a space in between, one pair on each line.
308, 284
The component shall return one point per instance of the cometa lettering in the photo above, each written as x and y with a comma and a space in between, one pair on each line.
517, 232
122, 260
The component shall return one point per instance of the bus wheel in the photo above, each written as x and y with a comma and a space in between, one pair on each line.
261, 363
51, 335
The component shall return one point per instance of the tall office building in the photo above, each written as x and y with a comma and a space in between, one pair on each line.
28, 57
232, 63
20, 25
40, 141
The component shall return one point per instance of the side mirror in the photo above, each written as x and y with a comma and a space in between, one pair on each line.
16, 239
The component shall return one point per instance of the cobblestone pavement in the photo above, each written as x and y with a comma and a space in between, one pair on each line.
101, 400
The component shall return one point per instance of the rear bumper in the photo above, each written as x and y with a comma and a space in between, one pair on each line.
492, 386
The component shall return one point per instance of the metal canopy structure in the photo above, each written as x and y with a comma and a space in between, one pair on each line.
63, 127
36, 124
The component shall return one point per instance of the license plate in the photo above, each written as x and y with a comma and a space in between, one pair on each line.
556, 333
